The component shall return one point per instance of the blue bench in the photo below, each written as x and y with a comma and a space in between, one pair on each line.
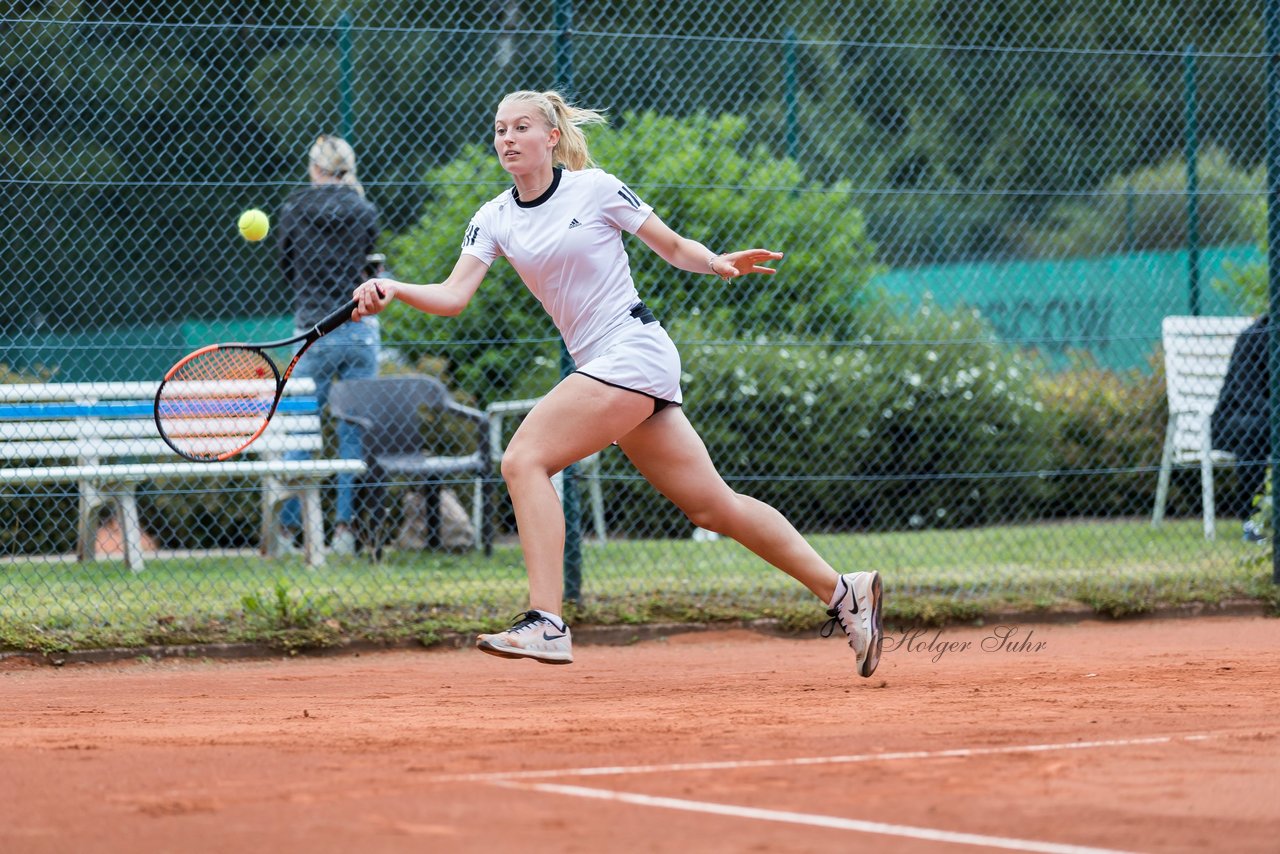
102, 437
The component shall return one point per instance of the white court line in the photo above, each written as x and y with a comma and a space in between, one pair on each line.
824, 821
511, 780
730, 765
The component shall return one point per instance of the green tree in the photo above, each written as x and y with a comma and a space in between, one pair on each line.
135, 130
968, 122
1147, 209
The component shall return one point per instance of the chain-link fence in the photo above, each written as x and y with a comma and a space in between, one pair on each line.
956, 376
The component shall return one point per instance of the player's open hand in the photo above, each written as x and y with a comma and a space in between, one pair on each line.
372, 297
733, 264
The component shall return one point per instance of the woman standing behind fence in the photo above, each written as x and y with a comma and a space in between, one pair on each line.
326, 233
561, 228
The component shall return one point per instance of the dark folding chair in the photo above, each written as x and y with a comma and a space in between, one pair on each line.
404, 420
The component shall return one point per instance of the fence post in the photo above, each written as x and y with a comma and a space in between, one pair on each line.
791, 96
572, 508
1271, 29
1193, 181
346, 87
1130, 219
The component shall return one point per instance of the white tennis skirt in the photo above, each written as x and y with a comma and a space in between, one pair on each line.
644, 359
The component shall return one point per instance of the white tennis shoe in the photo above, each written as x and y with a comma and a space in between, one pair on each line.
533, 635
856, 609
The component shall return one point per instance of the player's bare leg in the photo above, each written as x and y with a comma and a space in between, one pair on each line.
579, 417
672, 456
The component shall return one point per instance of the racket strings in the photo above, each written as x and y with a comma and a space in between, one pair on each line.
216, 402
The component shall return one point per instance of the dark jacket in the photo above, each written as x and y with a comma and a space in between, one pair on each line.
1244, 402
325, 233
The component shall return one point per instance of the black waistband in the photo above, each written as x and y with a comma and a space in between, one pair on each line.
641, 311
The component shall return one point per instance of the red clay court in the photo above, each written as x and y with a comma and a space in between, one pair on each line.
1150, 735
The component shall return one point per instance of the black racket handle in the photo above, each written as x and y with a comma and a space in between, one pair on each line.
336, 319
339, 317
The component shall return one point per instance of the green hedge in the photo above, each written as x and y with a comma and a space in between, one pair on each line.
890, 434
961, 431
1111, 423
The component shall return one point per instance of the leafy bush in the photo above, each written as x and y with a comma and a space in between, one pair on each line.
1247, 286
930, 422
1104, 422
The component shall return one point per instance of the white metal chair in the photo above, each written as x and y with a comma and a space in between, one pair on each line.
1196, 353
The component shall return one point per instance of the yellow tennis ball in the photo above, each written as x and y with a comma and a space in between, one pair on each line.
254, 224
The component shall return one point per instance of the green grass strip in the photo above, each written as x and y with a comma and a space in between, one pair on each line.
1113, 568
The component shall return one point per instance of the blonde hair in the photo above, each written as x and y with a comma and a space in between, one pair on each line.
571, 149
335, 157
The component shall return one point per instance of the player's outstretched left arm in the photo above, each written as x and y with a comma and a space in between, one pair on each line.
686, 254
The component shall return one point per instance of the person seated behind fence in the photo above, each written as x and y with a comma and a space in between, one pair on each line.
327, 232
1241, 424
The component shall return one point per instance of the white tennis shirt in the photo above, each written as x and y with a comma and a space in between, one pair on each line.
566, 245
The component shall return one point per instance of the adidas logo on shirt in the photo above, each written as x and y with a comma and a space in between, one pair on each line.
573, 223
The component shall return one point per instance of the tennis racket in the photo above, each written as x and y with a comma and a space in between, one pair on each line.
217, 401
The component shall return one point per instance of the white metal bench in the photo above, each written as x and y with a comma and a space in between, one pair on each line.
102, 437
1196, 353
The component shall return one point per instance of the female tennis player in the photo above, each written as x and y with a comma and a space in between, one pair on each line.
561, 228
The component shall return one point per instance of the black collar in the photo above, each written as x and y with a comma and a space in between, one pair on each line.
546, 194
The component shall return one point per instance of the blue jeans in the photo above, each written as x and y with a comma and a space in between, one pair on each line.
349, 352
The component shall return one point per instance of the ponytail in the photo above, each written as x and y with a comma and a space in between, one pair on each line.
334, 156
571, 149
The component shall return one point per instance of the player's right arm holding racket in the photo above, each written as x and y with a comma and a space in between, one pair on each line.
444, 299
